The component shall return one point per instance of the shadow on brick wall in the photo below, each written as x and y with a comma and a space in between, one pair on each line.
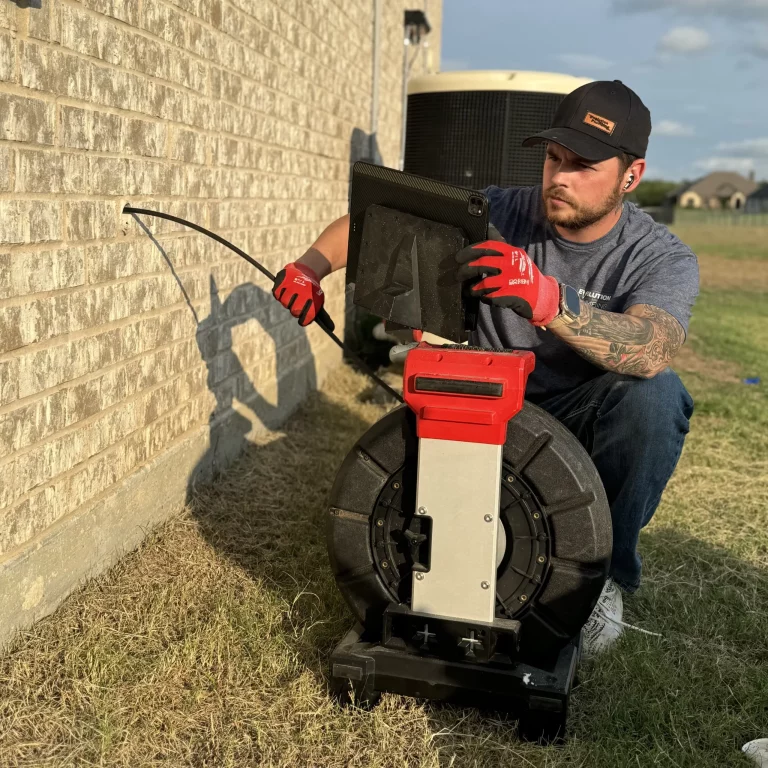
295, 377
28, 3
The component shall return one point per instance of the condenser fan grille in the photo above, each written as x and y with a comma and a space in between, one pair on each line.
473, 138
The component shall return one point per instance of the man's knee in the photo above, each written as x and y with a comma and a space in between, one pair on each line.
650, 405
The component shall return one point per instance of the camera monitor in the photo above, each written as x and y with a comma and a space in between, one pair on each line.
403, 234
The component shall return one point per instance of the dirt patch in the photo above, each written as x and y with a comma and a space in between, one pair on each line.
687, 361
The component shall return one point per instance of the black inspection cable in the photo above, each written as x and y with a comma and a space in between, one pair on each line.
323, 319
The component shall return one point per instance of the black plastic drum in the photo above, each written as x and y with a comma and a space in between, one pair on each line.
556, 534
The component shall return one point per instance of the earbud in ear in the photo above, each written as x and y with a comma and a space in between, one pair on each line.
629, 181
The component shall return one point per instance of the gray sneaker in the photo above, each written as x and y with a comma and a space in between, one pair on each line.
605, 625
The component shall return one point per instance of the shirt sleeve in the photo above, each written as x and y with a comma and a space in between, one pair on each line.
504, 210
670, 281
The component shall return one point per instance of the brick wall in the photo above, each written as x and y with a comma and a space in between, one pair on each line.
133, 361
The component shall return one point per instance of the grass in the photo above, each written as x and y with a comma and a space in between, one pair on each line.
208, 646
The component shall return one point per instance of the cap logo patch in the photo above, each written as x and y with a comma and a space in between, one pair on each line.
601, 123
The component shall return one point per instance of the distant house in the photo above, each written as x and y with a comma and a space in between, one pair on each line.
722, 189
757, 202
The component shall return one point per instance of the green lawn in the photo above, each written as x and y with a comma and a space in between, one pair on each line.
209, 645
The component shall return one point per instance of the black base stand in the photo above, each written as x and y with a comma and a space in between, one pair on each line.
362, 669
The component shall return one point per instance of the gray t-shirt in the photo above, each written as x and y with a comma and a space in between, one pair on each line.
637, 262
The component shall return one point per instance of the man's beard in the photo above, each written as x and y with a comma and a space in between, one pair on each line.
578, 216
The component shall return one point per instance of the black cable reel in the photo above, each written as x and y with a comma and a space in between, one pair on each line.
555, 538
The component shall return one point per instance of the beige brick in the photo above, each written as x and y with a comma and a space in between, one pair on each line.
143, 137
31, 423
91, 220
33, 63
40, 271
7, 57
75, 127
27, 518
118, 9
23, 119
51, 172
43, 220
54, 71
6, 280
82, 401
9, 381
7, 16
108, 132
87, 34
6, 165
164, 21
72, 75
147, 178
40, 23
108, 175
201, 40
116, 260
10, 329
166, 102
24, 221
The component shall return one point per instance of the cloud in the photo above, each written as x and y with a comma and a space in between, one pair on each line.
585, 62
737, 9
759, 48
685, 40
741, 165
748, 148
672, 128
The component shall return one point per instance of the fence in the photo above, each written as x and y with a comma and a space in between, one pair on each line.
721, 218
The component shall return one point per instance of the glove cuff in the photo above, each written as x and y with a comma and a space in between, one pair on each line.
548, 301
306, 271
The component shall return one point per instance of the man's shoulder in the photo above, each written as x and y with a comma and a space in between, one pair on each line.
652, 236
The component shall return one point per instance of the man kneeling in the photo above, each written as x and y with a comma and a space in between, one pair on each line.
598, 291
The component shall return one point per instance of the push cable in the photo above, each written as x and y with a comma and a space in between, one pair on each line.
323, 319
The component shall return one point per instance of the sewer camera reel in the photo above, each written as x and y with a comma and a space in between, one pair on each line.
468, 530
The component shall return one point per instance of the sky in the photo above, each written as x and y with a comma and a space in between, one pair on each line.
700, 66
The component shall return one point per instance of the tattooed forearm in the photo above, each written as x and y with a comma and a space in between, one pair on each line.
641, 342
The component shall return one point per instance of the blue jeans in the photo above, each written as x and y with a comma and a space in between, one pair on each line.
634, 431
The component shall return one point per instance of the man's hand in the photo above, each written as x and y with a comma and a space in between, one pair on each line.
508, 278
297, 288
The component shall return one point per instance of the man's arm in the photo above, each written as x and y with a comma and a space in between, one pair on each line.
297, 284
329, 252
640, 342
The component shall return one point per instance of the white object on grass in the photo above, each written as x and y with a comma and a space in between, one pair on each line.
758, 751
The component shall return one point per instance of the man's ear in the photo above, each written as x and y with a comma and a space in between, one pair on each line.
637, 169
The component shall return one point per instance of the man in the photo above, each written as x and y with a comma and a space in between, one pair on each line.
598, 291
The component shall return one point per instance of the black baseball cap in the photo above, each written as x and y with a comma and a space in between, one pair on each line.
599, 120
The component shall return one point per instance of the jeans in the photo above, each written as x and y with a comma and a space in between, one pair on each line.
634, 431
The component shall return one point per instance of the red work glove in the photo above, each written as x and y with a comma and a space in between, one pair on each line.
297, 288
509, 279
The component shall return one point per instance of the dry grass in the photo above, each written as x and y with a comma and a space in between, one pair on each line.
208, 646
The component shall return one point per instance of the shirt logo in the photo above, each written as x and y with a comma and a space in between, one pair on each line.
597, 300
601, 123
